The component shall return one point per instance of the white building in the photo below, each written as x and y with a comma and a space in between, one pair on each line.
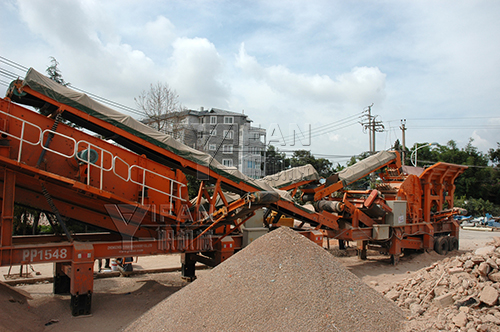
226, 135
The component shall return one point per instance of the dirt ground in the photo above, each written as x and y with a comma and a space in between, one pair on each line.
119, 301
379, 274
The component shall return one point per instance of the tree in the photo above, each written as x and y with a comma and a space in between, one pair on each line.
494, 189
476, 207
276, 161
365, 182
26, 219
161, 106
494, 155
54, 73
323, 166
477, 181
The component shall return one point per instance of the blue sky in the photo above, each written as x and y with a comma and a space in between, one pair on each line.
434, 63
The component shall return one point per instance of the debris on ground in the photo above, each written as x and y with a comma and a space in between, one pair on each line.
456, 294
15, 312
280, 282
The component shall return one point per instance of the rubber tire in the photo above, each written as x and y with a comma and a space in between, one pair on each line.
441, 245
452, 243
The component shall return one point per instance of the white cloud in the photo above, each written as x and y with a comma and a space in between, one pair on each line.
196, 73
302, 63
362, 85
479, 142
62, 23
160, 33
83, 39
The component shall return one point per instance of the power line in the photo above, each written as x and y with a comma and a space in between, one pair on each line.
325, 129
13, 64
354, 122
475, 166
8, 73
20, 67
454, 118
109, 102
372, 126
459, 127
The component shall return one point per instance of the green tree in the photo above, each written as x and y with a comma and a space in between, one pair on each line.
476, 206
323, 166
276, 161
54, 73
25, 218
494, 188
494, 155
478, 181
362, 183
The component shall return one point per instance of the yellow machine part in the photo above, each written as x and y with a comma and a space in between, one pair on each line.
284, 220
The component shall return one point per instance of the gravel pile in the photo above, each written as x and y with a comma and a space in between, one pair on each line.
280, 282
457, 294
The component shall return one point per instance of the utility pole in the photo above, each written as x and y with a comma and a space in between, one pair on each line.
372, 126
265, 155
403, 128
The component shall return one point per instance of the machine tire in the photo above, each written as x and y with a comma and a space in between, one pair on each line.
452, 243
441, 245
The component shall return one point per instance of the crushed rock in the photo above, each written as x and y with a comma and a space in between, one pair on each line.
280, 282
457, 294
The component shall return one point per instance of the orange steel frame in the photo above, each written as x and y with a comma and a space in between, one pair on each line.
288, 208
142, 222
432, 190
144, 204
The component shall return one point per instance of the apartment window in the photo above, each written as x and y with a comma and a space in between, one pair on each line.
212, 147
250, 164
254, 150
228, 119
213, 119
227, 162
227, 149
213, 132
228, 134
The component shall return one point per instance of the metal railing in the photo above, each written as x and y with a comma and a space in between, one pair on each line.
114, 160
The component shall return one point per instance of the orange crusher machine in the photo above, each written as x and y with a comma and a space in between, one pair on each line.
110, 171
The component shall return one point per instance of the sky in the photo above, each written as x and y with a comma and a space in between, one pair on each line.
313, 65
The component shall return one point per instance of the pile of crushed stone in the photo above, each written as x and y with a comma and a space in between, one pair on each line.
457, 293
280, 282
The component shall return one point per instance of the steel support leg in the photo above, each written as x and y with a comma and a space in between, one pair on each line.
81, 304
7, 214
362, 248
62, 282
9, 186
81, 273
188, 269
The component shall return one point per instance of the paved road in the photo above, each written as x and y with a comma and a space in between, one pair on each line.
470, 240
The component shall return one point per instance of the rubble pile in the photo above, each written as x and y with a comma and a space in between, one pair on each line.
458, 293
280, 282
